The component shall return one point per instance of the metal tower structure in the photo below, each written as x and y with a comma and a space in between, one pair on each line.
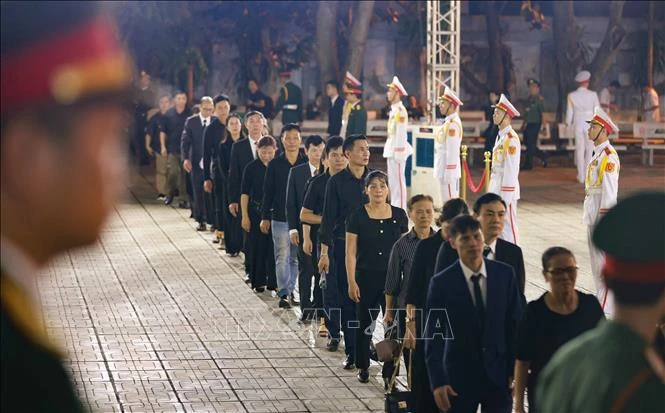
443, 48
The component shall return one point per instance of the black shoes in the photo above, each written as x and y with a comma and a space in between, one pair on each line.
168, 200
247, 279
333, 345
349, 363
363, 376
183, 204
293, 301
201, 227
259, 289
284, 303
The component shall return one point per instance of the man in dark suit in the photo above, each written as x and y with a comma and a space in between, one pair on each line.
295, 193
289, 101
490, 210
242, 153
335, 109
473, 308
191, 148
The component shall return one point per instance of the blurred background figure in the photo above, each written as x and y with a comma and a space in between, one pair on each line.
414, 109
650, 106
608, 99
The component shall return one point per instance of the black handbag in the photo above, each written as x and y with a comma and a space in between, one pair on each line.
400, 401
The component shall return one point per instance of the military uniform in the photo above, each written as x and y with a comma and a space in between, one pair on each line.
533, 119
580, 107
290, 103
504, 177
447, 167
601, 187
397, 148
613, 368
354, 115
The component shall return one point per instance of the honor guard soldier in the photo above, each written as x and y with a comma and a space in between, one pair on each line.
289, 101
615, 367
533, 120
354, 117
506, 165
601, 187
65, 94
447, 169
580, 107
397, 149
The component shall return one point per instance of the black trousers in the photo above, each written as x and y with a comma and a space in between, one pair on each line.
531, 139
262, 253
420, 386
307, 270
219, 191
372, 299
484, 393
198, 201
233, 233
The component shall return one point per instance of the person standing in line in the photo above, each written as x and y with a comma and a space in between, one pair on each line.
397, 148
601, 187
214, 137
295, 193
274, 213
260, 242
616, 366
581, 104
336, 108
504, 178
169, 140
344, 193
371, 232
533, 121
289, 101
447, 168
558, 316
152, 144
310, 215
191, 147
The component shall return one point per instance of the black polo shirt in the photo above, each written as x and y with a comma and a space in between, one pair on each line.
274, 187
314, 196
422, 270
153, 130
344, 193
173, 125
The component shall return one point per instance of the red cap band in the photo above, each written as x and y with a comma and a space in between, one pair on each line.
602, 123
506, 109
639, 272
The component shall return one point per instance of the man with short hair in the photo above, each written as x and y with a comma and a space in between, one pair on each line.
601, 187
66, 83
447, 165
397, 148
192, 153
344, 193
153, 131
289, 101
295, 193
335, 109
170, 139
580, 107
273, 213
615, 367
473, 310
257, 100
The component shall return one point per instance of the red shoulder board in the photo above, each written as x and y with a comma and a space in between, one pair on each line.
608, 151
512, 135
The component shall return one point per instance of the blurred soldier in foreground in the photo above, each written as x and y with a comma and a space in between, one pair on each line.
64, 82
615, 367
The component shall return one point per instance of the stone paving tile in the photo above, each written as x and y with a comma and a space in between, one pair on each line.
155, 318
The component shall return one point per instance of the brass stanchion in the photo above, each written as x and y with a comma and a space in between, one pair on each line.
463, 188
488, 161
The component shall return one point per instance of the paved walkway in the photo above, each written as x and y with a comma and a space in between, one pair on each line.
155, 318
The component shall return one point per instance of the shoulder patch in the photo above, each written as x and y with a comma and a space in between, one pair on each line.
608, 151
610, 167
451, 132
512, 150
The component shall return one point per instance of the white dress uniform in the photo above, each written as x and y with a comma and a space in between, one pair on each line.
580, 107
447, 167
397, 149
504, 178
651, 107
601, 187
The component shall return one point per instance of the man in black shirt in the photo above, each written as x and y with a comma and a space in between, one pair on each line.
273, 213
258, 100
169, 139
295, 193
214, 137
152, 132
335, 109
344, 193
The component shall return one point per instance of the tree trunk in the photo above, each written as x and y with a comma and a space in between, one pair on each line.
650, 45
569, 58
326, 42
609, 47
190, 82
358, 37
495, 67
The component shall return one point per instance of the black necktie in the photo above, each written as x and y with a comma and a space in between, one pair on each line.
204, 123
478, 297
487, 250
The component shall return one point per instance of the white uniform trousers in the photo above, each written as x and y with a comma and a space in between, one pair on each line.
397, 182
510, 230
449, 190
583, 150
597, 258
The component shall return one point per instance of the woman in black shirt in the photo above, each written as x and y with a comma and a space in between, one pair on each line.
262, 271
231, 224
371, 231
548, 323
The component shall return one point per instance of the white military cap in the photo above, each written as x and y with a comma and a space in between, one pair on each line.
583, 76
603, 119
396, 84
450, 96
505, 105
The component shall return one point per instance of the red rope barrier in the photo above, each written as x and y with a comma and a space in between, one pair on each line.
469, 180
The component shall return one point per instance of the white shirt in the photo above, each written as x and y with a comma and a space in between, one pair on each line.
580, 106
204, 121
312, 169
333, 99
492, 254
254, 143
651, 110
468, 273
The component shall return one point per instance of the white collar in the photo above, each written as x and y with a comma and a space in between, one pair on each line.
468, 273
503, 132
396, 104
312, 169
334, 99
453, 116
493, 247
206, 120
598, 149
254, 141
19, 267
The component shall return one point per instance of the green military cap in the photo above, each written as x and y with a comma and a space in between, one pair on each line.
531, 81
632, 235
